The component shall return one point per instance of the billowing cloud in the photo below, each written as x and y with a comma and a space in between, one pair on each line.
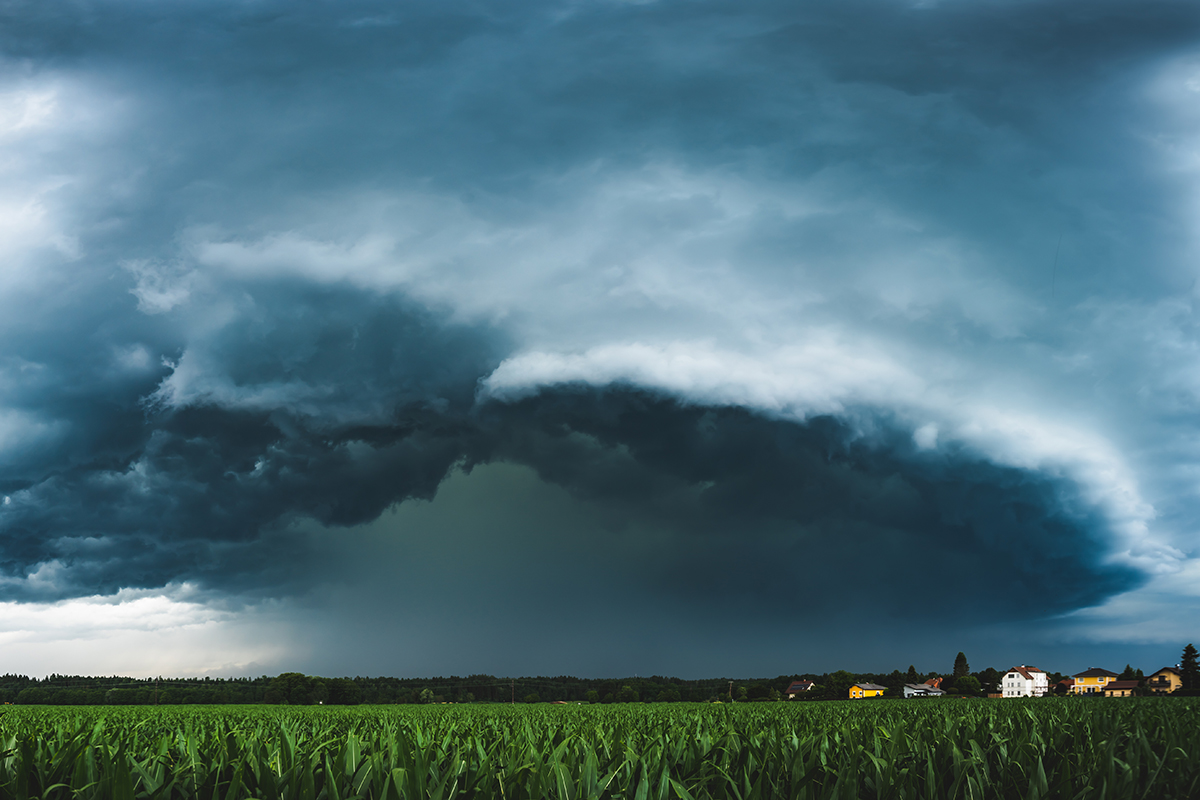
760, 307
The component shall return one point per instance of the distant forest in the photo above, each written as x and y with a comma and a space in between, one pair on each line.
296, 689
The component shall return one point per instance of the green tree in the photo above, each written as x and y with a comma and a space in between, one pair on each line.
1127, 674
343, 692
627, 695
758, 691
837, 685
912, 676
961, 667
967, 684
593, 696
1189, 670
532, 697
426, 696
670, 694
294, 688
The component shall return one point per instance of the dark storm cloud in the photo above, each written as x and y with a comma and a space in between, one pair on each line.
783, 515
336, 405
752, 510
215, 356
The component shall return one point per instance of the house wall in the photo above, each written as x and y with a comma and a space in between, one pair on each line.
1014, 684
1171, 680
1091, 685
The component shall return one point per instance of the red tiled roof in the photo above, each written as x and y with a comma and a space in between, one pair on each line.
1026, 671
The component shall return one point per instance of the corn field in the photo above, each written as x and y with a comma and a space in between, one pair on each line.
1052, 748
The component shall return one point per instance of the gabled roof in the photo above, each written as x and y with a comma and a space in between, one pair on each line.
799, 686
873, 686
1168, 669
1120, 685
1026, 672
1095, 672
924, 687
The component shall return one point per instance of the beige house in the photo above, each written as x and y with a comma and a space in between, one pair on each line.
1120, 688
1165, 681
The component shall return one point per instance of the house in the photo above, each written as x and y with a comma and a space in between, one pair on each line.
1120, 688
934, 682
1165, 681
798, 687
1064, 686
1092, 681
1024, 681
921, 690
866, 690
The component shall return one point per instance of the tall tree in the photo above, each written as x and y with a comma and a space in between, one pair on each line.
961, 667
1127, 674
1189, 670
912, 676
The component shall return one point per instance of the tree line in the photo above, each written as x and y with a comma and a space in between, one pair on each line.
293, 688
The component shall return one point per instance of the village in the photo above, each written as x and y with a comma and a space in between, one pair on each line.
1028, 681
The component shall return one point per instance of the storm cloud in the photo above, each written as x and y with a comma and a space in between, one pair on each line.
858, 308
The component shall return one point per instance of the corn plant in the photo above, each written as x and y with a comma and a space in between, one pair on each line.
1050, 748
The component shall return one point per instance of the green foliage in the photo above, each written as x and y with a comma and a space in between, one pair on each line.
1055, 748
1189, 671
961, 667
989, 680
838, 685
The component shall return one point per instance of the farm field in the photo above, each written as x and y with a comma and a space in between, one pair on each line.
1052, 748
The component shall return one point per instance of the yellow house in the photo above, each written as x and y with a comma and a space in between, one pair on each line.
1165, 681
1092, 681
866, 690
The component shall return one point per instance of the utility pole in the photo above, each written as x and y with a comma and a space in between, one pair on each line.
514, 692
731, 691
156, 680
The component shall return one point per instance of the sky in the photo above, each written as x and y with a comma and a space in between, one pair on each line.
598, 337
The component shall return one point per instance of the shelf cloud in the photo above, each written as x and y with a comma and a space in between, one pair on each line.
745, 316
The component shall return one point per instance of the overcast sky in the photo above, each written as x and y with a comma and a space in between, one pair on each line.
598, 337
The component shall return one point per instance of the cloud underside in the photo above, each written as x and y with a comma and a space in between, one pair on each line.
712, 504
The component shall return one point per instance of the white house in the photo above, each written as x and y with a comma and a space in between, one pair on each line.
798, 687
921, 690
1024, 681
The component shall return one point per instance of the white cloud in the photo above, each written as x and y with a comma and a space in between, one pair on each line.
159, 287
926, 436
174, 631
1163, 611
839, 375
